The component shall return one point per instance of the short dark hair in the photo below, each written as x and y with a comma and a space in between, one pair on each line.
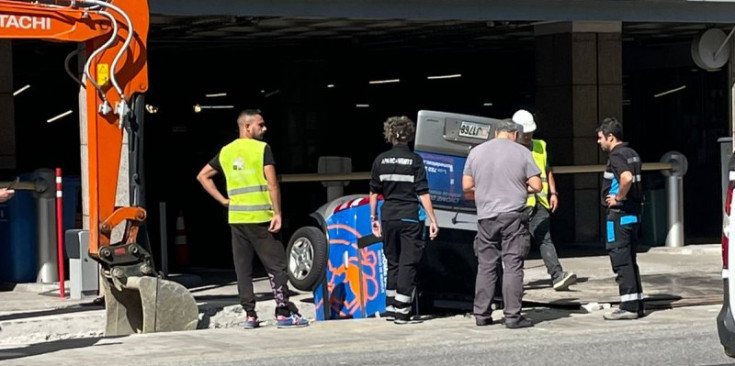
507, 125
250, 112
246, 116
611, 126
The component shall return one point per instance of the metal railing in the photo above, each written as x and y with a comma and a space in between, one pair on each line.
565, 169
673, 165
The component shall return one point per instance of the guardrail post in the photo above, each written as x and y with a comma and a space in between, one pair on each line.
675, 197
725, 153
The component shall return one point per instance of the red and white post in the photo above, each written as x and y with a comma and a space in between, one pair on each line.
60, 232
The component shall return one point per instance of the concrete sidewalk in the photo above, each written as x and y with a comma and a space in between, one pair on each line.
671, 277
682, 276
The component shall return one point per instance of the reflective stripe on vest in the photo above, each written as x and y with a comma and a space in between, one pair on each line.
539, 156
247, 190
250, 201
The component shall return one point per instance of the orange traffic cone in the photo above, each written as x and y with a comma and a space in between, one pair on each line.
181, 248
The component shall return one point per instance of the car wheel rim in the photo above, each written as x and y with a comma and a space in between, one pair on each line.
301, 258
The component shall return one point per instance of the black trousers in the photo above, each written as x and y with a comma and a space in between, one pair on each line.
403, 245
621, 245
255, 239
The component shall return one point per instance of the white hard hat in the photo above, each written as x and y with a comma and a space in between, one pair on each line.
525, 119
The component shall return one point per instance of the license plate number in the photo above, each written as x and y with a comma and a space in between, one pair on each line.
474, 130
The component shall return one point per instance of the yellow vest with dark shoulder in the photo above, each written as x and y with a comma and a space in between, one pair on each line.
539, 156
247, 188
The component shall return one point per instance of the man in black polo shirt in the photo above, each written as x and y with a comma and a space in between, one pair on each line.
399, 175
622, 194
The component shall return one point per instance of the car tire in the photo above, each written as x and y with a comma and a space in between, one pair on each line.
306, 258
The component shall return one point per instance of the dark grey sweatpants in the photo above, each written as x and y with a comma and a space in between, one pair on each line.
540, 229
249, 240
504, 236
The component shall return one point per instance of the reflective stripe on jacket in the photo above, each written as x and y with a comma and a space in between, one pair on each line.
242, 163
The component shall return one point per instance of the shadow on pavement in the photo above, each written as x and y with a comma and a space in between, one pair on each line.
47, 347
551, 314
33, 314
660, 302
546, 283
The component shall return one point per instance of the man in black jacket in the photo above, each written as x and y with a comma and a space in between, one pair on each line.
622, 194
399, 175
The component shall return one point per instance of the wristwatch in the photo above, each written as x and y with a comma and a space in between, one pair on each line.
554, 194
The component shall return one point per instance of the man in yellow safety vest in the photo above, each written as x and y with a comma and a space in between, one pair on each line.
542, 204
254, 214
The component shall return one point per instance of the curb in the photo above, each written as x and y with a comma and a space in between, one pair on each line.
706, 249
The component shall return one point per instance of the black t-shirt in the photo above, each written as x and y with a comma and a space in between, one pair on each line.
267, 159
621, 159
399, 175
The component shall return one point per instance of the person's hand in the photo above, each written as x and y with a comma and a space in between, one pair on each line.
375, 227
275, 224
554, 202
611, 200
225, 203
469, 195
6, 194
433, 230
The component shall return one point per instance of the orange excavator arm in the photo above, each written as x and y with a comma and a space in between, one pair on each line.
109, 91
114, 33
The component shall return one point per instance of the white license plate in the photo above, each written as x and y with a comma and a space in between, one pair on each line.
474, 130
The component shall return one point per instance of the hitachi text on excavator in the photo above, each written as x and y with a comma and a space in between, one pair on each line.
115, 76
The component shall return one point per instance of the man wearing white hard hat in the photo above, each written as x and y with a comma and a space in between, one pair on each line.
543, 203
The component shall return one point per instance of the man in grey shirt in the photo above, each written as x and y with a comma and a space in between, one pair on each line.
501, 173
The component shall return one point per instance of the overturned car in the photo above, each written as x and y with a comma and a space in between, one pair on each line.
335, 259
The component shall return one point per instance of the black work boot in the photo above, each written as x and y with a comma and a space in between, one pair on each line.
521, 322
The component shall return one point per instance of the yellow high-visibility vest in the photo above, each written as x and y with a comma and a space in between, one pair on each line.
539, 156
247, 188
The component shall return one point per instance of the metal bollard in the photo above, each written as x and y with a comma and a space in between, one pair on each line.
46, 206
725, 153
675, 197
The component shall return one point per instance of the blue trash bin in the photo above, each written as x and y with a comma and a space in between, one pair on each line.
71, 191
18, 239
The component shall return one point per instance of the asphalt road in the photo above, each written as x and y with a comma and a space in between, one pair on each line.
660, 345
683, 336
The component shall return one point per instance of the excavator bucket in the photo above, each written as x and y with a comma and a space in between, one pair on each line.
149, 304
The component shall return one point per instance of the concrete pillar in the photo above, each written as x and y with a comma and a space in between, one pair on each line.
578, 83
305, 96
7, 106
